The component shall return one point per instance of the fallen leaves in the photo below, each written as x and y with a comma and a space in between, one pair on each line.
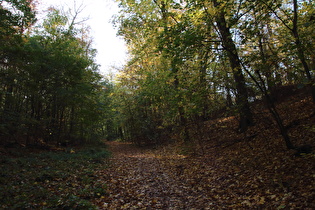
55, 180
231, 172
144, 179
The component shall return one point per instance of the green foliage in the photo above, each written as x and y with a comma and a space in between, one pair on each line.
51, 91
191, 59
53, 180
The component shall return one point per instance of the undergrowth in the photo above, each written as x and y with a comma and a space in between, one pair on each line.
53, 180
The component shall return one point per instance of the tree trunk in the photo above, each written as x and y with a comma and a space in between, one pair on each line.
203, 84
181, 112
242, 94
300, 50
272, 109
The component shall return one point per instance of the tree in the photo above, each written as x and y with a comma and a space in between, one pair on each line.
290, 20
53, 89
230, 48
191, 58
15, 19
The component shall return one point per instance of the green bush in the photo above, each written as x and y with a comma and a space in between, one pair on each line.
53, 180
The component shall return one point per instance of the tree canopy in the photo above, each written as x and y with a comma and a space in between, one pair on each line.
191, 59
51, 89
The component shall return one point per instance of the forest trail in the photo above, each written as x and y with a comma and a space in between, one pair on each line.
227, 171
229, 178
147, 179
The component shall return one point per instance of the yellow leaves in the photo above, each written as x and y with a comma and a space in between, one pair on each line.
114, 181
247, 203
254, 201
261, 200
125, 206
154, 201
213, 10
105, 205
274, 197
170, 81
197, 16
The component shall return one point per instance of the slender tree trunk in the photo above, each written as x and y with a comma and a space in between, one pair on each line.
279, 122
272, 109
183, 120
300, 50
242, 94
298, 44
71, 123
265, 68
203, 84
229, 102
174, 64
9, 99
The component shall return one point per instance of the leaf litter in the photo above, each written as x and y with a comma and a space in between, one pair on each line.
223, 170
233, 171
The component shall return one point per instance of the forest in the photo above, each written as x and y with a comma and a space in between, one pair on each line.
216, 103
51, 89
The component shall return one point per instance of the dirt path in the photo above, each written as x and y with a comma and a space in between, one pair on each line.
139, 178
143, 179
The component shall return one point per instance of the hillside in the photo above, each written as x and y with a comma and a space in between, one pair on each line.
226, 170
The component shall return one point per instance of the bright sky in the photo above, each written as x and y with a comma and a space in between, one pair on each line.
111, 49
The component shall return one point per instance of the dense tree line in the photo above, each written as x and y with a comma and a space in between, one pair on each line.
190, 59
50, 88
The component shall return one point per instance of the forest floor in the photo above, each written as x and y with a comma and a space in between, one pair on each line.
141, 178
219, 169
224, 169
58, 179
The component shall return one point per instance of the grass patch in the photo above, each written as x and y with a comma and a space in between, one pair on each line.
53, 180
